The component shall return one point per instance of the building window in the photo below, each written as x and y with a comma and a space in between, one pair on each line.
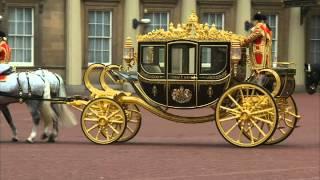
272, 20
314, 40
100, 37
213, 18
159, 20
21, 35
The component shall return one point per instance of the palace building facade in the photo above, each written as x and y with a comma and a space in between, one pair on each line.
66, 36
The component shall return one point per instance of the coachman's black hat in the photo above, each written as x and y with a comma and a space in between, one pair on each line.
259, 17
2, 34
264, 17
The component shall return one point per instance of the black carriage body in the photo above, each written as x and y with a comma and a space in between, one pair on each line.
184, 74
287, 79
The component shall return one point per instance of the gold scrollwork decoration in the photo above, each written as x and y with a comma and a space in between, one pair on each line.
192, 30
181, 95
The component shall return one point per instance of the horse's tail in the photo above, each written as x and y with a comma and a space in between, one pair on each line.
46, 110
66, 116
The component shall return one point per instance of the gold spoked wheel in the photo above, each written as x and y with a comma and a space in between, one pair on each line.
103, 121
133, 122
288, 117
239, 112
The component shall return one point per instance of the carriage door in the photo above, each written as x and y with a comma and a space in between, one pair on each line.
213, 72
182, 74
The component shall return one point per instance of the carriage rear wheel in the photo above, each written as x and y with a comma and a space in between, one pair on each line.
133, 122
239, 111
287, 119
103, 121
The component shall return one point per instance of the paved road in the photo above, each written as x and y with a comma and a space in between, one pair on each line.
162, 150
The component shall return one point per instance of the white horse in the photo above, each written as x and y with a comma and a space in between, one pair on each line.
63, 114
32, 85
20, 86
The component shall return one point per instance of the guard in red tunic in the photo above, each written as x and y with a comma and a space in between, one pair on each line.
5, 50
260, 41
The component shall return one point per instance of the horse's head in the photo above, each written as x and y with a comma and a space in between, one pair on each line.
312, 77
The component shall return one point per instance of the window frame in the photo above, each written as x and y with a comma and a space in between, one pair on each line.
102, 37
226, 7
183, 45
314, 11
117, 31
223, 18
153, 12
26, 64
156, 6
276, 37
36, 33
200, 59
142, 56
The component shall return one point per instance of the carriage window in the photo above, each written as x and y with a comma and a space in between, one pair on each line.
182, 59
153, 59
213, 59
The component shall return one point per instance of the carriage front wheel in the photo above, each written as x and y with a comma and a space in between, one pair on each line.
240, 112
103, 121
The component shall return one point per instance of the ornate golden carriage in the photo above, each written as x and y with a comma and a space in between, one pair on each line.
191, 66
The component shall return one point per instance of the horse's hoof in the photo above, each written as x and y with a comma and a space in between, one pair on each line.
51, 139
29, 141
44, 136
14, 139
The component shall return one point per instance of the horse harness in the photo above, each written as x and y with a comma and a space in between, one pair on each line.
59, 83
23, 96
29, 96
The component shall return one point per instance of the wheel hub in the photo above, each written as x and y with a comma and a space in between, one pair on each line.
102, 122
245, 120
245, 116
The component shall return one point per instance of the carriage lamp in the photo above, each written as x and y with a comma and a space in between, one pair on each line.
128, 53
235, 56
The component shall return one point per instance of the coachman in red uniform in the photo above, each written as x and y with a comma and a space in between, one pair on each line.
5, 50
260, 41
